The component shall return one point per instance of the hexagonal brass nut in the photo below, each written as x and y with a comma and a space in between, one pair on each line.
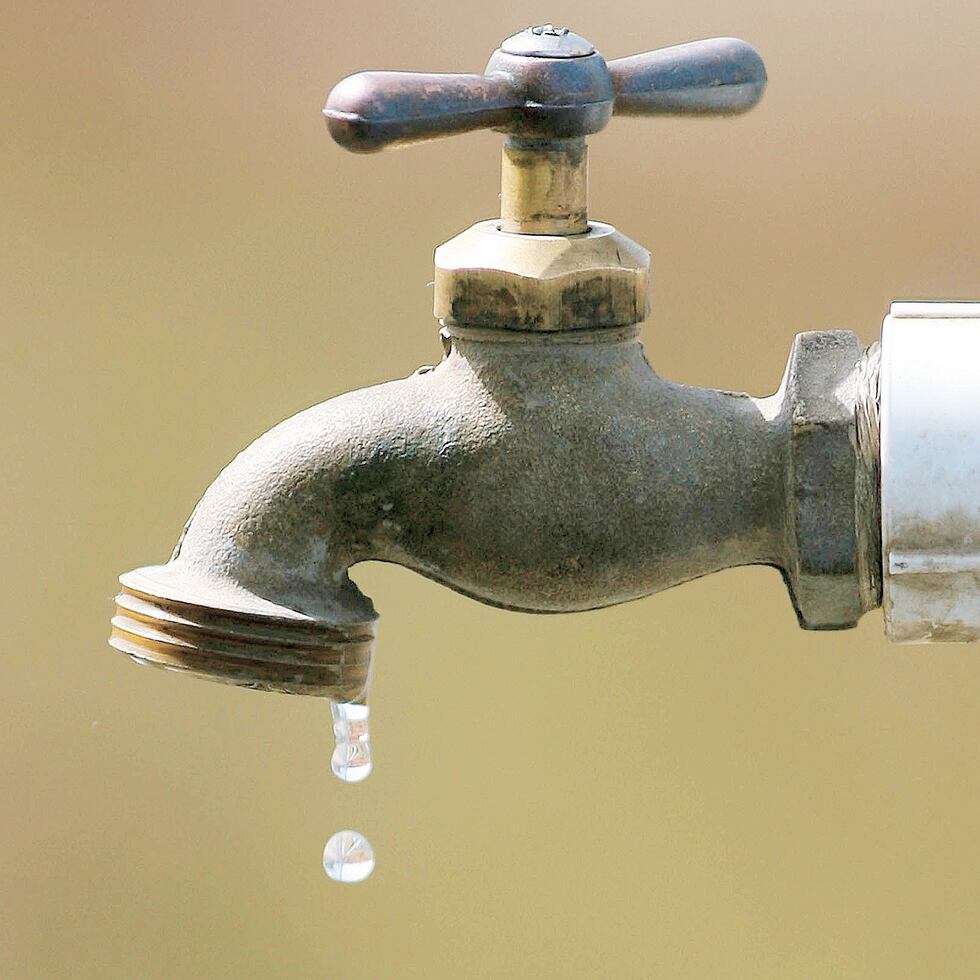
827, 576
489, 278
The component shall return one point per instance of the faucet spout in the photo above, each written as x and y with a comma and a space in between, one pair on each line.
257, 591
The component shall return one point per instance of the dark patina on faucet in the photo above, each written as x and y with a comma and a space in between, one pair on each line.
542, 466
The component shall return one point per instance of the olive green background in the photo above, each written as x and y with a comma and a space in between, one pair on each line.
684, 787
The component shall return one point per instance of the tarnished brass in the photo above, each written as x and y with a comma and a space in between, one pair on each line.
542, 265
488, 277
544, 187
547, 89
543, 466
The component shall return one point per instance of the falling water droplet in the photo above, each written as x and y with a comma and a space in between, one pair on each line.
351, 760
348, 857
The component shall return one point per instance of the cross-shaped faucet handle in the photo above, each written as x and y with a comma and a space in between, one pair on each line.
545, 83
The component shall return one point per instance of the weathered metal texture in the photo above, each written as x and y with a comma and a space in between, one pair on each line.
547, 88
374, 109
930, 472
547, 41
536, 472
245, 643
719, 76
486, 277
833, 568
545, 83
544, 187
542, 466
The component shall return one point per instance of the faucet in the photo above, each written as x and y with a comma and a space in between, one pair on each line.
543, 465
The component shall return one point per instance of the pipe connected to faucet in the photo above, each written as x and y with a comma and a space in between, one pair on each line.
543, 465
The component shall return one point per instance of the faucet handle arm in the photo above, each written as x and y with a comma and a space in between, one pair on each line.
545, 84
719, 76
374, 109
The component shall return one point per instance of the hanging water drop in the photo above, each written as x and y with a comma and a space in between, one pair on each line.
348, 857
351, 760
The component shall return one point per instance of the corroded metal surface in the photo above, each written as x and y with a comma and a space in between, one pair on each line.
544, 187
544, 84
833, 571
547, 41
542, 466
719, 76
293, 655
486, 277
541, 473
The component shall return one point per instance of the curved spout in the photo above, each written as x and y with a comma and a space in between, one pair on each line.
541, 473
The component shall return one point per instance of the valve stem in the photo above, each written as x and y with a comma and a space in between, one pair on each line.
544, 187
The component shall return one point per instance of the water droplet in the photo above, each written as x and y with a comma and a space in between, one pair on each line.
348, 857
351, 760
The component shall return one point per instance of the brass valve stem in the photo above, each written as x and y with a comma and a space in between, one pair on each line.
544, 187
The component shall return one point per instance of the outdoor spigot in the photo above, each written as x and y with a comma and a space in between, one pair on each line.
542, 465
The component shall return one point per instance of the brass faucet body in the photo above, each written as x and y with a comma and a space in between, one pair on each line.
542, 466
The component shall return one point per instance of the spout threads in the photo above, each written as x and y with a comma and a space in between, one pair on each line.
248, 650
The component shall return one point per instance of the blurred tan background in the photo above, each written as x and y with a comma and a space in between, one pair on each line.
685, 787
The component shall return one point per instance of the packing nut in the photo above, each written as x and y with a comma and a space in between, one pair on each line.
486, 277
